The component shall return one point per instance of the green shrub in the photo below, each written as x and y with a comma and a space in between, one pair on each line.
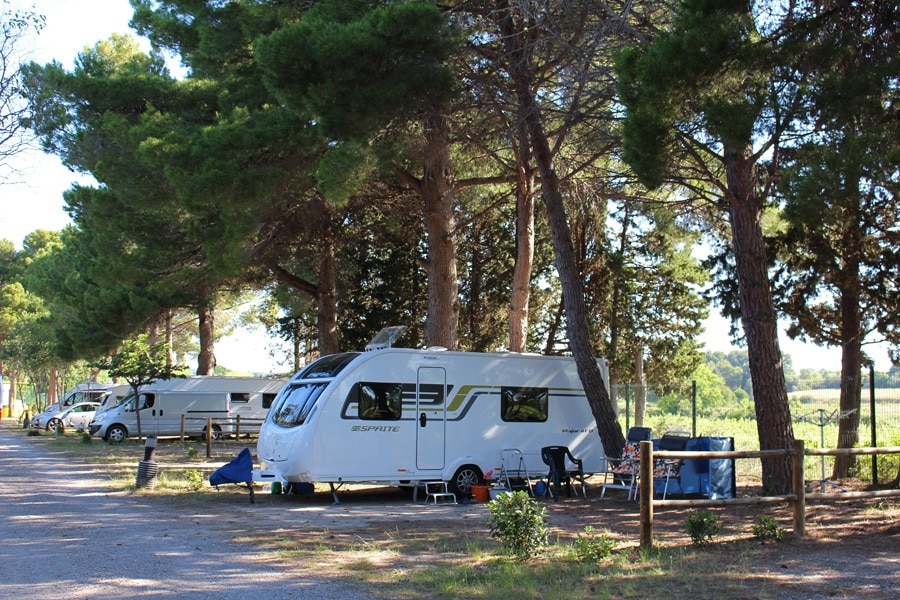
194, 479
192, 453
766, 528
518, 522
703, 525
591, 547
86, 437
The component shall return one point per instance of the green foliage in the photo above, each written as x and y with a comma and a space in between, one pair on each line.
194, 479
703, 525
519, 523
767, 528
593, 547
192, 453
86, 437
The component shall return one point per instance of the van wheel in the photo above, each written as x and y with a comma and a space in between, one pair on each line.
464, 478
216, 432
116, 434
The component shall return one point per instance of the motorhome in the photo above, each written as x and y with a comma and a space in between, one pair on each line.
83, 392
397, 416
162, 405
113, 395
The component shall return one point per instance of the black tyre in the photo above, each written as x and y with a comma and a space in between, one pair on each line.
464, 478
53, 424
216, 432
116, 434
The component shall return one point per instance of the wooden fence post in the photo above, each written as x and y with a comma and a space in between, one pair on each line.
181, 438
208, 437
799, 485
645, 489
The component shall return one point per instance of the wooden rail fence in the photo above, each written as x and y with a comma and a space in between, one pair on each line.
797, 498
209, 428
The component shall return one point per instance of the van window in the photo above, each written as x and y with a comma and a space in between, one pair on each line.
147, 400
240, 397
380, 401
268, 399
527, 405
297, 403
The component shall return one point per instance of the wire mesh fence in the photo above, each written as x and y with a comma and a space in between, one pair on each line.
815, 410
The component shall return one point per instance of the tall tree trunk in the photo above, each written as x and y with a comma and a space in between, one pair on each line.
521, 289
851, 339
326, 299
773, 417
442, 320
170, 338
53, 385
518, 48
206, 360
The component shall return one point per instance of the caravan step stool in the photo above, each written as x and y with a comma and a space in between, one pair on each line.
437, 490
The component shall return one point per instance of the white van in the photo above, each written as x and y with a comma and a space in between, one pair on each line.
396, 416
163, 403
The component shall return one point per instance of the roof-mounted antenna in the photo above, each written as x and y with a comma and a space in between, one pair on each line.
385, 338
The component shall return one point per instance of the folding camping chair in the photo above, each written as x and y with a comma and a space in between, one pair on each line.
622, 473
669, 468
239, 470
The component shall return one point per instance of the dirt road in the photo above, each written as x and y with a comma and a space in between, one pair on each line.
66, 535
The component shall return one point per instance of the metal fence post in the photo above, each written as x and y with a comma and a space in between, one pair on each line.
872, 421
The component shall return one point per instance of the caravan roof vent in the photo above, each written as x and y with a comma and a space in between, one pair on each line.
385, 337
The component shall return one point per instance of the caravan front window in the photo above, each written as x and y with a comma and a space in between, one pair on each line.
297, 403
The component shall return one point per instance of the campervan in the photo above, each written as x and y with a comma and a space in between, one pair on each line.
83, 392
399, 416
113, 396
163, 403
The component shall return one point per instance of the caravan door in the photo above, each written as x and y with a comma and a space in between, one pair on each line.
431, 407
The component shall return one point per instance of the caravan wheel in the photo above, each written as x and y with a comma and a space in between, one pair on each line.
464, 478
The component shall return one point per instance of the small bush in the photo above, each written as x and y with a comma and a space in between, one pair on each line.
766, 528
703, 525
192, 453
518, 522
86, 437
33, 432
194, 479
591, 547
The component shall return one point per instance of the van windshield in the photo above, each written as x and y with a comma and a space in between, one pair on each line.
296, 403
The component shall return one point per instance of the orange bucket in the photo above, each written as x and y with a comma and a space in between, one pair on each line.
480, 493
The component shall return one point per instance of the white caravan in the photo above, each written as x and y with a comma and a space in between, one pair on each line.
163, 403
397, 416
83, 392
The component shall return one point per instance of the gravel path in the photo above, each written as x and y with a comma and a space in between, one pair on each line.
66, 535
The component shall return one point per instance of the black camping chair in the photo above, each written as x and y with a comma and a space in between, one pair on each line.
239, 470
555, 457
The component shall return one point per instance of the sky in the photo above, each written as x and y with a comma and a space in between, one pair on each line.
35, 201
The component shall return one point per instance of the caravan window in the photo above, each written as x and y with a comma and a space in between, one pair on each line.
240, 397
527, 405
297, 403
268, 399
380, 401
